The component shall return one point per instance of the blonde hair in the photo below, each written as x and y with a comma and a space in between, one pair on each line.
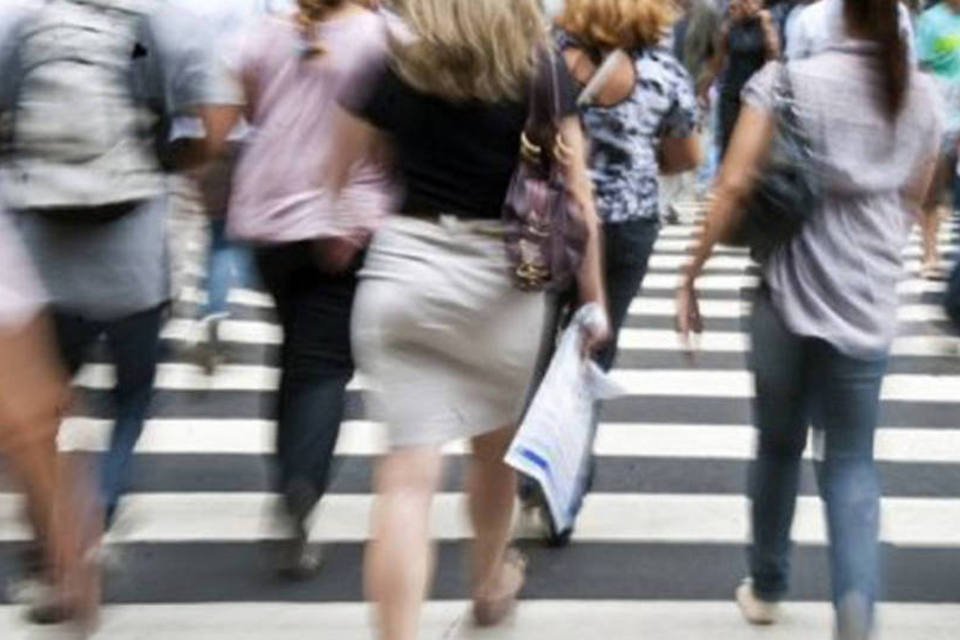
470, 49
618, 24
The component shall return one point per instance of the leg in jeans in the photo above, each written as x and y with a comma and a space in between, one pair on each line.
629, 246
135, 343
220, 269
847, 408
227, 266
778, 361
316, 366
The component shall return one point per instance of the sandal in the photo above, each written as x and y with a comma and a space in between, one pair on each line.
933, 272
490, 611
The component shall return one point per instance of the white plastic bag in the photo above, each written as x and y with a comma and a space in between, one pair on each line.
554, 439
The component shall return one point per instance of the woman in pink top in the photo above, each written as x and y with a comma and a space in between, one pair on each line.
33, 390
291, 71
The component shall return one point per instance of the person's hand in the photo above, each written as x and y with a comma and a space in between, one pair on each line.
689, 320
337, 254
595, 333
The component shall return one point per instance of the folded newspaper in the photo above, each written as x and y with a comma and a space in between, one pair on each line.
553, 443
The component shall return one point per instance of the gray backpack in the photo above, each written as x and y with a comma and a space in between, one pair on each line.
80, 138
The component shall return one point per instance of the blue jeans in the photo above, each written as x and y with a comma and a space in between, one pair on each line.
628, 247
134, 342
228, 265
803, 381
317, 364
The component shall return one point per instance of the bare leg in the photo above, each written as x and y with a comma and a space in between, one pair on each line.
492, 487
32, 394
400, 558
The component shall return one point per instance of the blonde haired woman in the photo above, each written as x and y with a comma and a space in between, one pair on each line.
447, 340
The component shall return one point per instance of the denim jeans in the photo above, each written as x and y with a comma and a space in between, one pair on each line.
802, 382
628, 246
134, 342
228, 265
317, 364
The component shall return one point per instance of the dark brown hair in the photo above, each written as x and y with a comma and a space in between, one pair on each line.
879, 22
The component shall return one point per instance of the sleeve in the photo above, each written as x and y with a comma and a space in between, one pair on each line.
371, 94
681, 120
759, 92
185, 62
567, 87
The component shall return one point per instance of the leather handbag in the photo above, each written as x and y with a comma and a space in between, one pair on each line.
544, 231
789, 189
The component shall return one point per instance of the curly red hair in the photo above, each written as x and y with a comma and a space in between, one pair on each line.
618, 24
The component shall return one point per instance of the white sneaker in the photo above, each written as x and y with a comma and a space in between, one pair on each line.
755, 610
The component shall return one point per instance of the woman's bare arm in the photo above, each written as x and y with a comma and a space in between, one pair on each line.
590, 276
749, 148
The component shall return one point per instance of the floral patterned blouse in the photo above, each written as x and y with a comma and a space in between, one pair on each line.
624, 138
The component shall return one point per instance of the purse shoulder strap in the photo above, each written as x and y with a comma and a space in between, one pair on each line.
544, 107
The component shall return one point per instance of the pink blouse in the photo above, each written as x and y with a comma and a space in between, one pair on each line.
278, 191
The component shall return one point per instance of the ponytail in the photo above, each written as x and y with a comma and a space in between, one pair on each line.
879, 22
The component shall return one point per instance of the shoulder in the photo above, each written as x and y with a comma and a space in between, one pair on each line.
663, 62
931, 15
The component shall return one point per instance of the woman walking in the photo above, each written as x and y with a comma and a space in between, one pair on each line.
748, 40
825, 317
445, 337
641, 124
291, 70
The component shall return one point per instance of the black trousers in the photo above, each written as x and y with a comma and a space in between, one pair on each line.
316, 366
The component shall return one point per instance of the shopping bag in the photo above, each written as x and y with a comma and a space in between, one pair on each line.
553, 442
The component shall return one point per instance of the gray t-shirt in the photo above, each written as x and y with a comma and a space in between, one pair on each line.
838, 279
112, 269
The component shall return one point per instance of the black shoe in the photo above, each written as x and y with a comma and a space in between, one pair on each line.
298, 560
212, 351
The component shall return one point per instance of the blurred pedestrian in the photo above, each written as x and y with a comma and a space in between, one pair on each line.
291, 69
815, 25
91, 201
207, 187
938, 50
641, 123
695, 39
825, 317
442, 333
33, 392
748, 39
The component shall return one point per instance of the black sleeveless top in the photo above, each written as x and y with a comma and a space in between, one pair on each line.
746, 55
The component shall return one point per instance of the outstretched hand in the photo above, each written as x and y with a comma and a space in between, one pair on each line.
689, 321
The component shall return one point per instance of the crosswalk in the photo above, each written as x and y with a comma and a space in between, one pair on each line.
660, 544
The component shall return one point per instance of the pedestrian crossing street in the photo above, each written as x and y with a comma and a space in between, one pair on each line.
659, 548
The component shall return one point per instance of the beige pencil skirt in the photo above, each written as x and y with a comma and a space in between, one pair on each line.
446, 342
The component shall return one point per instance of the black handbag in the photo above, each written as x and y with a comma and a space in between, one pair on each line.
789, 189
